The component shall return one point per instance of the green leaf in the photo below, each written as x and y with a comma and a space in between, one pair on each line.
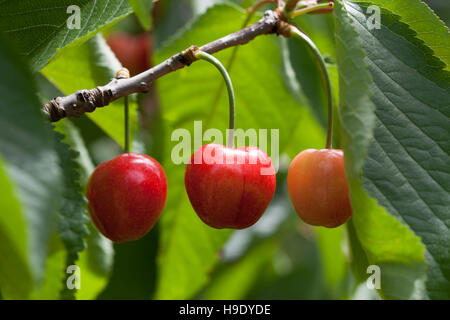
237, 279
85, 67
386, 241
13, 240
95, 265
96, 260
358, 257
424, 22
72, 220
188, 247
134, 274
407, 168
334, 262
41, 28
31, 180
142, 9
73, 138
54, 281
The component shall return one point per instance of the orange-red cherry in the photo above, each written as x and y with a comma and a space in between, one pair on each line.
229, 187
126, 196
318, 187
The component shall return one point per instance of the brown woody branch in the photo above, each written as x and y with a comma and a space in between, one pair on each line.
83, 101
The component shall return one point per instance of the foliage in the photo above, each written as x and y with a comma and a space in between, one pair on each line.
31, 178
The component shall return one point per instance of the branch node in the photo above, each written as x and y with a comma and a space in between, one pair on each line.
283, 27
188, 55
123, 73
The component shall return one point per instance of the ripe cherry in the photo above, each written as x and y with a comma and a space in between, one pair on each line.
318, 187
126, 196
228, 187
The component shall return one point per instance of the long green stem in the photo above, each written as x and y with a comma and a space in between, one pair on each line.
127, 125
312, 9
250, 13
325, 77
207, 57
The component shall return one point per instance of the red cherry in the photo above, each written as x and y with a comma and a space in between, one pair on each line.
126, 196
230, 188
133, 51
318, 187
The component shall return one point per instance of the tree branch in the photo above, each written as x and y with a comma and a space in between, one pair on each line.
83, 101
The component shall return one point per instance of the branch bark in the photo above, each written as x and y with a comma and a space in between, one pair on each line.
88, 100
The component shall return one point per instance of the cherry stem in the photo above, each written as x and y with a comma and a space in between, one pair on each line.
250, 12
207, 57
124, 73
325, 78
127, 125
312, 8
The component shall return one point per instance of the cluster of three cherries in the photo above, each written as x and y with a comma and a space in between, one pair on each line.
127, 194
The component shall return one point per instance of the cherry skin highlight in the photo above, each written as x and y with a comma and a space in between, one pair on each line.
228, 187
318, 187
126, 196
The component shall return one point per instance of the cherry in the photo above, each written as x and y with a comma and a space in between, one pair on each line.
133, 51
318, 187
229, 187
126, 196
